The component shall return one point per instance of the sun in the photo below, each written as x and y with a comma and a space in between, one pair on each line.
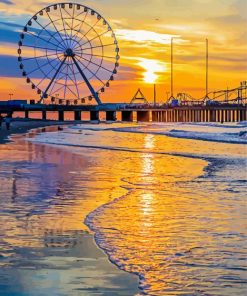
153, 69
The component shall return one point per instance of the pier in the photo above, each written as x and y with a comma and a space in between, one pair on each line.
128, 113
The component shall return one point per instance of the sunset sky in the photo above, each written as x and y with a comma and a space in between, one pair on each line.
144, 30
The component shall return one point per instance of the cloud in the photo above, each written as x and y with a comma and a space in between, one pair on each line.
8, 2
144, 36
228, 20
10, 67
12, 25
9, 36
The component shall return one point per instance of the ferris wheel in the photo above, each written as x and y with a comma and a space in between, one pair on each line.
68, 53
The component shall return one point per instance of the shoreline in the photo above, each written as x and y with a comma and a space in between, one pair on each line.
22, 126
108, 278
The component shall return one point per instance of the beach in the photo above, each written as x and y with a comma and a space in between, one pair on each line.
168, 212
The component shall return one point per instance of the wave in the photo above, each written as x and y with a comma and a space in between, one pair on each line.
214, 133
233, 138
235, 133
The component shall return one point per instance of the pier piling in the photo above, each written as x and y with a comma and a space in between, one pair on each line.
77, 115
143, 116
43, 114
26, 114
94, 115
61, 115
111, 115
127, 115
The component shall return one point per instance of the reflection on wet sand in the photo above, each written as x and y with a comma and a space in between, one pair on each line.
45, 246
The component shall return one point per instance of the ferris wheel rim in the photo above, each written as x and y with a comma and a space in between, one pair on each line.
59, 48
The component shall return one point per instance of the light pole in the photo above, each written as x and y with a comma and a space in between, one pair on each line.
154, 94
206, 86
172, 67
10, 96
171, 97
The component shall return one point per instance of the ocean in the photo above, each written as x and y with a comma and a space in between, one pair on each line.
164, 202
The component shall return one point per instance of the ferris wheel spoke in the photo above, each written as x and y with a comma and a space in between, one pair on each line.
91, 28
83, 21
50, 63
66, 79
50, 83
44, 29
65, 31
72, 91
63, 85
95, 37
42, 56
55, 83
75, 81
94, 75
97, 55
80, 46
85, 35
81, 14
41, 66
72, 25
67, 12
69, 37
95, 95
38, 37
99, 65
56, 90
40, 47
46, 76
104, 45
60, 43
62, 39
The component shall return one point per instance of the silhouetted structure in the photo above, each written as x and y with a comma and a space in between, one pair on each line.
139, 98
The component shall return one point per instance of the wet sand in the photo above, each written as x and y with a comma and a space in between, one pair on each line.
43, 258
21, 126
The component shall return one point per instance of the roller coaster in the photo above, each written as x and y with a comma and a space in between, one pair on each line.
236, 95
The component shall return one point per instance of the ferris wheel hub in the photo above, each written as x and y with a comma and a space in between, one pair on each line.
69, 53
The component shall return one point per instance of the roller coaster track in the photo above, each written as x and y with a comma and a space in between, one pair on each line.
235, 95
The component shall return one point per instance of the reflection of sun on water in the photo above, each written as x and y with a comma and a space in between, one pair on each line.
147, 207
153, 69
149, 141
148, 158
146, 198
